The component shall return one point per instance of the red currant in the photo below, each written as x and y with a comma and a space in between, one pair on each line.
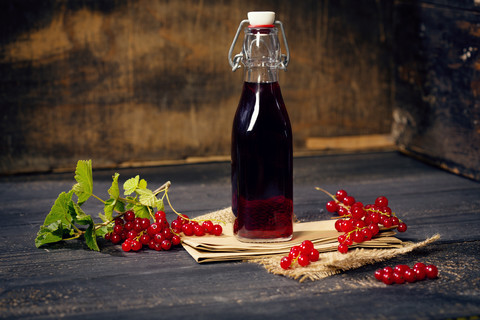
217, 230
347, 225
285, 262
348, 200
398, 278
306, 247
177, 226
160, 215
118, 228
338, 225
158, 238
303, 260
379, 274
431, 271
198, 230
136, 245
187, 229
342, 211
340, 195
332, 206
145, 223
374, 229
132, 234
129, 216
388, 278
381, 201
153, 229
357, 237
402, 227
367, 234
129, 225
409, 275
166, 245
145, 239
167, 233
208, 226
126, 246
176, 240
314, 255
420, 273
342, 248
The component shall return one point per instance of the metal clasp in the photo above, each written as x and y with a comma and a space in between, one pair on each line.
235, 62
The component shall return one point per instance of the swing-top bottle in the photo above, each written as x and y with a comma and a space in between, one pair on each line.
262, 161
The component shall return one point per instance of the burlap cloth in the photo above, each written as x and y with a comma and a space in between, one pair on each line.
322, 233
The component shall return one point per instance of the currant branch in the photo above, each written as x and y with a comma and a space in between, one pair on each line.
360, 222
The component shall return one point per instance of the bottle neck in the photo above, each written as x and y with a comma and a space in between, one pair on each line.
261, 55
259, 74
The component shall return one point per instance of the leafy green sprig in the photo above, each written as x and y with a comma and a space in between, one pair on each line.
66, 219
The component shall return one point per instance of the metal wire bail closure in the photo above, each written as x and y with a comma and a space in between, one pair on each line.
235, 62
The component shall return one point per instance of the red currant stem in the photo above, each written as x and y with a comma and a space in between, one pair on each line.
327, 193
385, 214
170, 204
79, 232
106, 223
183, 217
74, 237
333, 197
97, 198
150, 212
163, 187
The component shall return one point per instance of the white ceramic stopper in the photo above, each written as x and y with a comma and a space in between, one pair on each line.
261, 18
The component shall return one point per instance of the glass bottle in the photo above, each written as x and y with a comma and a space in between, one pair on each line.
262, 161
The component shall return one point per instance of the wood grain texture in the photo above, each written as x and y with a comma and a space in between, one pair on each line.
437, 99
121, 81
69, 281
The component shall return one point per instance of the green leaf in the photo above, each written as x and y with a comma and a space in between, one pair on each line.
114, 191
129, 203
119, 206
83, 175
130, 185
50, 233
61, 210
147, 198
108, 208
142, 184
141, 211
103, 217
102, 231
91, 238
160, 205
81, 217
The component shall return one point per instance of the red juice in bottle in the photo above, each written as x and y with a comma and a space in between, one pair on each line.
262, 165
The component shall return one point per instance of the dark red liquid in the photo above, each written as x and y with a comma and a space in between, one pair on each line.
262, 165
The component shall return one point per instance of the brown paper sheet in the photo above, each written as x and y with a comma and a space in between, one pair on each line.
322, 233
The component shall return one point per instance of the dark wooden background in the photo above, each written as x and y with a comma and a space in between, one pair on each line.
128, 82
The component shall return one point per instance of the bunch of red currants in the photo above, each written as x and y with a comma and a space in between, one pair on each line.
360, 222
137, 233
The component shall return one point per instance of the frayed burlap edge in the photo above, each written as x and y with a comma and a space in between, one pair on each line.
331, 263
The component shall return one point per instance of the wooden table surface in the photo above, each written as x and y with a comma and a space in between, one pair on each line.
69, 281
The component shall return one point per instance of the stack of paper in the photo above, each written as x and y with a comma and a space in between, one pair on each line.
321, 233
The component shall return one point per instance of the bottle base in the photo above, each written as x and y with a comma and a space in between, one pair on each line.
263, 240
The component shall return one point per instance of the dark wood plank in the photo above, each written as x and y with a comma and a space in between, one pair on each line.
72, 282
437, 83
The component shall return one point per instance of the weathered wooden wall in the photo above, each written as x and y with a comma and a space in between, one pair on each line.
437, 73
123, 81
